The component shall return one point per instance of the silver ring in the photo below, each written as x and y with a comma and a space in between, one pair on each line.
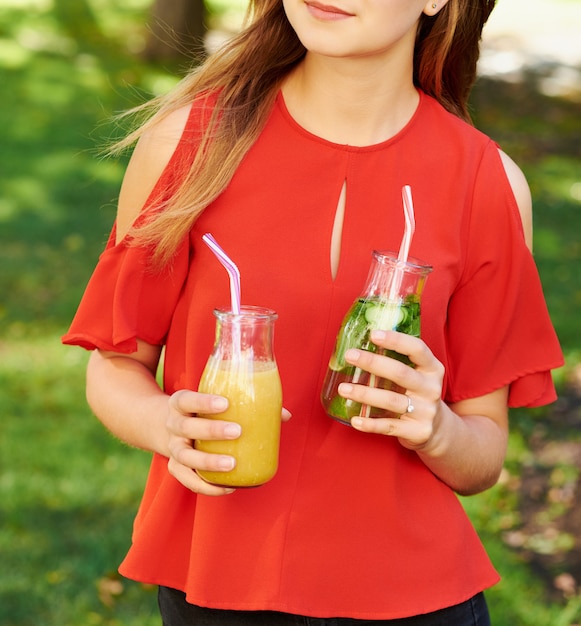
411, 408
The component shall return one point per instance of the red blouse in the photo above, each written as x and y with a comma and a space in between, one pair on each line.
353, 524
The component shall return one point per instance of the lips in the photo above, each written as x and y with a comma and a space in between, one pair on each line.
328, 9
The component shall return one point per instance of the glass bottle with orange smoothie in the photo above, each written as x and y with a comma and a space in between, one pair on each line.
242, 368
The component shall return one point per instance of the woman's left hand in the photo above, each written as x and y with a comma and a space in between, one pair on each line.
421, 406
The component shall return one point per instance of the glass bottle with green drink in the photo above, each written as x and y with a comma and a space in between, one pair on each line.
390, 300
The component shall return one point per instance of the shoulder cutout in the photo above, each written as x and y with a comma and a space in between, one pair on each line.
522, 194
150, 157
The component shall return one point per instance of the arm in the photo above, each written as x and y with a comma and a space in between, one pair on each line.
464, 444
124, 395
121, 388
522, 194
150, 156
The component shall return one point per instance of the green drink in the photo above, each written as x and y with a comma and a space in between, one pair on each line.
384, 305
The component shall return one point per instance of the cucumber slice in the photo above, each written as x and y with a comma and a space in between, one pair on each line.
343, 409
385, 315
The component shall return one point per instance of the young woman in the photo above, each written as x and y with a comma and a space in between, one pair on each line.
291, 145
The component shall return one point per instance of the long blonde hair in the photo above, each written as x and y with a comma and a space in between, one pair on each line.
245, 76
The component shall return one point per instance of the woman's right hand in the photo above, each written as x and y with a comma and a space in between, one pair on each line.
184, 427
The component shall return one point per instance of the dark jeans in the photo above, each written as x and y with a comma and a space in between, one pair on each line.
175, 611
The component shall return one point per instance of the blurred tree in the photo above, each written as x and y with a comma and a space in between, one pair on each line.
78, 21
177, 29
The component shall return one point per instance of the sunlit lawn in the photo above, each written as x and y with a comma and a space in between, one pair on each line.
68, 490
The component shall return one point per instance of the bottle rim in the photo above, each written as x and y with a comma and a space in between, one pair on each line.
248, 313
413, 264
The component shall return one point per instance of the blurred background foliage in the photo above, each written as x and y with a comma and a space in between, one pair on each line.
68, 490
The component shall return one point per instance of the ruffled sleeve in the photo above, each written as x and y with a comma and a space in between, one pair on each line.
499, 331
126, 298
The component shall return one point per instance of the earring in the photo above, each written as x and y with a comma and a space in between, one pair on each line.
434, 6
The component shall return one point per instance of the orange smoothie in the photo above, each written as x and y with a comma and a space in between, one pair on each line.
254, 393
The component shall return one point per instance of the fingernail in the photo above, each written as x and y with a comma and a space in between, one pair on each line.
352, 355
345, 387
226, 463
378, 335
356, 422
219, 403
232, 431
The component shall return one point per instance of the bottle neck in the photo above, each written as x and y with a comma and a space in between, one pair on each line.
245, 336
390, 279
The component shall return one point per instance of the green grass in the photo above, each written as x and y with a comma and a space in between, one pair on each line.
68, 494
68, 490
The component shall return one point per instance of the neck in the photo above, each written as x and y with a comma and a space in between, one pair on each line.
357, 102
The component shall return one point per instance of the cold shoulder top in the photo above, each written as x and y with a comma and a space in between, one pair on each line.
353, 524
